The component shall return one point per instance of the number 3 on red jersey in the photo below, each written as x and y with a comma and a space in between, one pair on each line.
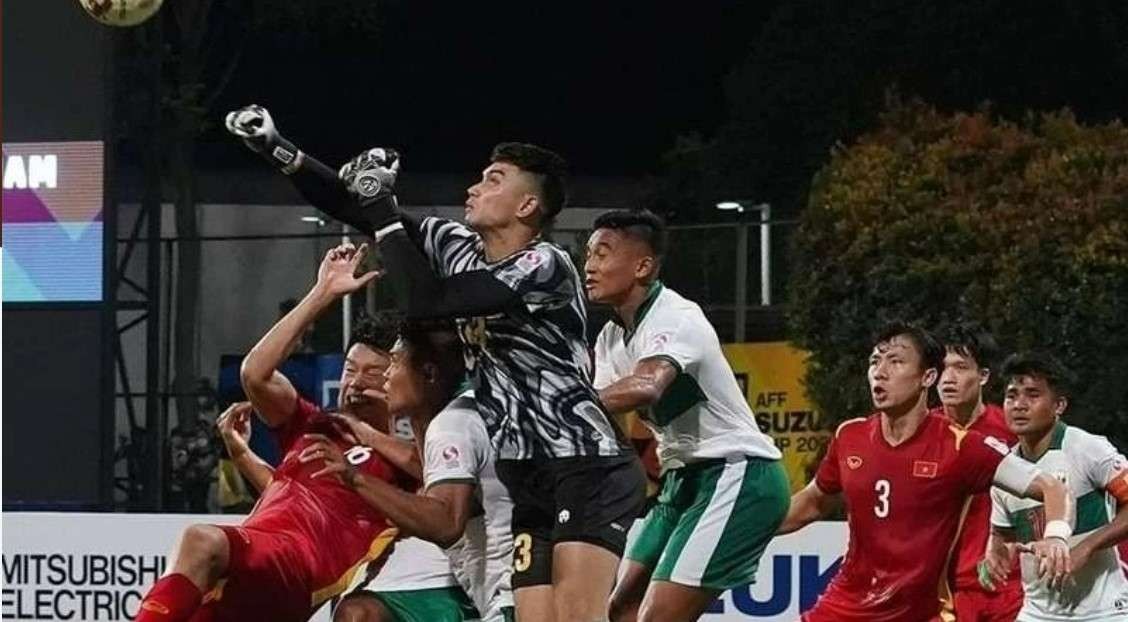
881, 508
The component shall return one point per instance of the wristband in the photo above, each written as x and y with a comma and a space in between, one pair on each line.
284, 155
388, 230
1057, 529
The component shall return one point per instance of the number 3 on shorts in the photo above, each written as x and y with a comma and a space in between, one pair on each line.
522, 552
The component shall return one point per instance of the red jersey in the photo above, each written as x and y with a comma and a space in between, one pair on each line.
977, 526
904, 506
330, 527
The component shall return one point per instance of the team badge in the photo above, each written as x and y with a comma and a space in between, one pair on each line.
854, 462
924, 468
564, 517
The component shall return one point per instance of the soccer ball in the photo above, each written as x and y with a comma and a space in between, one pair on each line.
121, 12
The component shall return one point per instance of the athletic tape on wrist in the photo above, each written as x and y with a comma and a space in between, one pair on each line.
389, 229
1057, 529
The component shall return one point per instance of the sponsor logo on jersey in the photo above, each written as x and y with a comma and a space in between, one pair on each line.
531, 260
450, 455
854, 462
924, 468
660, 341
367, 184
155, 607
996, 444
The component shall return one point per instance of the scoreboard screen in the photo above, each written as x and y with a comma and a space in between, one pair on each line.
52, 211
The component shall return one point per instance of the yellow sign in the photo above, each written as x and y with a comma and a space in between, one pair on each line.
771, 375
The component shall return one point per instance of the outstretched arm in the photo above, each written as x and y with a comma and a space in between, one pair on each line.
271, 393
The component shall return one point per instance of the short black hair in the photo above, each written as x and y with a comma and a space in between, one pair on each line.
1040, 365
547, 166
439, 346
641, 224
931, 352
378, 331
970, 339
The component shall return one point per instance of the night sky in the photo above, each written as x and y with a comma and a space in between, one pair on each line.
608, 86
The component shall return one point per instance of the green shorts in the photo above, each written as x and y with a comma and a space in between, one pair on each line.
712, 522
442, 604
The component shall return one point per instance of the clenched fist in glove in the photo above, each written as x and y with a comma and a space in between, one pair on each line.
254, 125
371, 176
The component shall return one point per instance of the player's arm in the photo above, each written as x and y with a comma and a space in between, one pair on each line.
1108, 470
807, 506
401, 454
999, 556
439, 515
235, 429
272, 395
1021, 478
315, 181
642, 389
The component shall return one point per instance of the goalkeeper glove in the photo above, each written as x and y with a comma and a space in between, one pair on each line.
371, 177
254, 125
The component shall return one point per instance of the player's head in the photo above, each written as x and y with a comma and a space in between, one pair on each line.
624, 251
1036, 392
368, 356
427, 368
523, 185
904, 364
969, 355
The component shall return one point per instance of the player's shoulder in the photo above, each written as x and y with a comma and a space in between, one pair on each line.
543, 256
1082, 442
852, 428
459, 417
964, 438
672, 310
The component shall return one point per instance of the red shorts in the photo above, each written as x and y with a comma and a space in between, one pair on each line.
979, 606
266, 580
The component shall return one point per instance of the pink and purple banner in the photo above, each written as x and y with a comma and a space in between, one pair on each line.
52, 213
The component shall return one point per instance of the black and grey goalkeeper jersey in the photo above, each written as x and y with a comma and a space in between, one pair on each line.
530, 366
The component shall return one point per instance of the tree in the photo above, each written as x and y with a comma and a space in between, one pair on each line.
817, 73
1020, 226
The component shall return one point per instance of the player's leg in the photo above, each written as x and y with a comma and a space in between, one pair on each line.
629, 590
583, 575
644, 553
202, 558
449, 604
597, 500
362, 607
529, 483
736, 508
534, 602
673, 602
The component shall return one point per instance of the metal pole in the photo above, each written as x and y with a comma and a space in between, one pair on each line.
765, 255
346, 304
741, 281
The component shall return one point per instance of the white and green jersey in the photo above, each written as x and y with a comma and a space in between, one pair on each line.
1088, 464
457, 450
703, 415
